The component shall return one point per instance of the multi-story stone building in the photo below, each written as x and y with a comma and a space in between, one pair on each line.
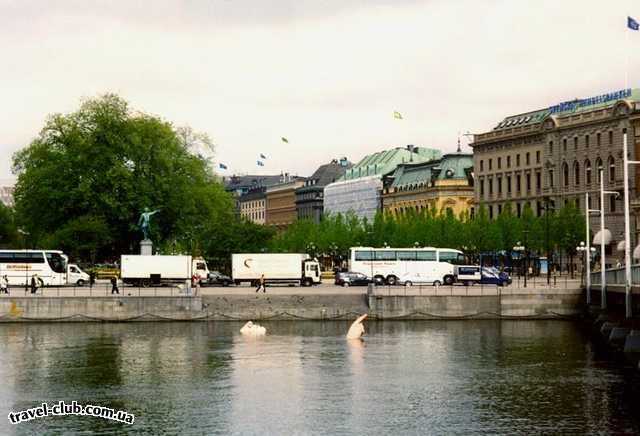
557, 153
359, 190
441, 184
281, 202
252, 205
310, 197
238, 185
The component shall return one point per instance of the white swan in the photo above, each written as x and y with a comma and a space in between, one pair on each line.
357, 329
251, 329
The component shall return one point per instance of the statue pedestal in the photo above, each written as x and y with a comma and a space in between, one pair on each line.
146, 247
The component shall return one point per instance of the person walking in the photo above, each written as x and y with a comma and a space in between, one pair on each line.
4, 285
34, 283
92, 279
195, 283
114, 285
261, 284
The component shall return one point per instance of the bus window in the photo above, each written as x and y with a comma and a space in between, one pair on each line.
385, 255
406, 255
364, 255
451, 257
426, 255
57, 262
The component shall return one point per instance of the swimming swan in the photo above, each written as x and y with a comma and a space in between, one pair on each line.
251, 329
357, 329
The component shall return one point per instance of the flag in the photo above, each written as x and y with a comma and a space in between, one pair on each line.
285, 140
632, 24
262, 156
397, 115
260, 164
223, 166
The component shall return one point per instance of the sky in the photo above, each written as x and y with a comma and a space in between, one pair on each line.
325, 74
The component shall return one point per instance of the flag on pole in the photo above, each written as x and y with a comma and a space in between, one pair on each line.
223, 166
632, 24
397, 115
260, 164
285, 140
262, 156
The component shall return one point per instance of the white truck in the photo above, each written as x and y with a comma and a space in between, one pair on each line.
144, 271
289, 268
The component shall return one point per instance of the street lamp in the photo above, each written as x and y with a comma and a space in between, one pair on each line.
547, 208
26, 270
627, 224
587, 252
588, 246
603, 280
521, 248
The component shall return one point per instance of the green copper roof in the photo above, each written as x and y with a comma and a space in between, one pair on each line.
449, 167
570, 107
383, 162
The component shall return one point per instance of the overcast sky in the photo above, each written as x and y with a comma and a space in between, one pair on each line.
326, 74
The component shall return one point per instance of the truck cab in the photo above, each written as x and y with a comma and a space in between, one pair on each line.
311, 272
76, 276
201, 269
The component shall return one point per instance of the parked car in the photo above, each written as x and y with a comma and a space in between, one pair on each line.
411, 279
492, 276
351, 279
217, 278
504, 274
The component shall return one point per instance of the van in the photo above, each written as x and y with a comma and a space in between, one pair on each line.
75, 276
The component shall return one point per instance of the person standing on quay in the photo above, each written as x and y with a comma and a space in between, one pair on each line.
34, 283
114, 285
261, 284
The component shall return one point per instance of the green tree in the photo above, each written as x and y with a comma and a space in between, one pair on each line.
103, 164
8, 230
568, 230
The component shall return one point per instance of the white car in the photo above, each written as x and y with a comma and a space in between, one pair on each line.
76, 276
411, 279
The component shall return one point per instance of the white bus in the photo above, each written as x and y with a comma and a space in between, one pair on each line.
395, 265
20, 265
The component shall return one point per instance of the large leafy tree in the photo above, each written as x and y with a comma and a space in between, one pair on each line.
8, 231
84, 180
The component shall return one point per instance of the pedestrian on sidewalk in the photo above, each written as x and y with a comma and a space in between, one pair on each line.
114, 285
34, 283
195, 283
261, 284
4, 285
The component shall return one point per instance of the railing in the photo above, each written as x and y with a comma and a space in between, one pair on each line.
100, 290
615, 276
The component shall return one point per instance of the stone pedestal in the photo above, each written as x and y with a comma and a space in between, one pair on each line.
146, 247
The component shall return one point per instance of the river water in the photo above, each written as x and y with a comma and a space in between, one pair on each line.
406, 377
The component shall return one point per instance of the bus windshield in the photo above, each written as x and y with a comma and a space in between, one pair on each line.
57, 262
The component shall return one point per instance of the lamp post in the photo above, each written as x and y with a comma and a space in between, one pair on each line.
588, 247
587, 251
547, 208
26, 265
603, 280
521, 248
627, 224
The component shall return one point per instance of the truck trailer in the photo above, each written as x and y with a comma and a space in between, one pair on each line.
145, 271
285, 268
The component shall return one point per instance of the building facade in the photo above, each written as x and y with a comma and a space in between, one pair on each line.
557, 154
253, 205
239, 185
310, 197
359, 190
280, 205
440, 185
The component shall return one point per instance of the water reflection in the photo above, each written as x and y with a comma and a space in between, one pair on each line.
451, 377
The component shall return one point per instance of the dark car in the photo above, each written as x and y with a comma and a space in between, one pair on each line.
492, 276
351, 279
217, 278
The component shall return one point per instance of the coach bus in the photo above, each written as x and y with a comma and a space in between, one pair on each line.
20, 265
391, 265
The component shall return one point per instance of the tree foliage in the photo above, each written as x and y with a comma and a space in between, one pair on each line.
8, 230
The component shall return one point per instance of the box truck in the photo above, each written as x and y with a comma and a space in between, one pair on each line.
154, 270
289, 268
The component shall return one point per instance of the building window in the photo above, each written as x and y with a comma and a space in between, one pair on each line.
550, 147
490, 187
586, 141
576, 173
598, 139
499, 209
499, 182
490, 212
575, 143
481, 165
565, 174
481, 188
499, 162
612, 203
490, 162
598, 169
528, 160
538, 156
508, 161
517, 160
551, 178
518, 183
587, 172
538, 182
528, 182
610, 137
508, 184
518, 210
612, 170
564, 145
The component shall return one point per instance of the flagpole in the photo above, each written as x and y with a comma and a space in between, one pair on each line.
626, 55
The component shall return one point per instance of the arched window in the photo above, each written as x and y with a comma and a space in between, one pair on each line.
612, 169
565, 174
598, 169
576, 173
587, 172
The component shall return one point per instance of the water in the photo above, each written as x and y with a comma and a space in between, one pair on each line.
466, 377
